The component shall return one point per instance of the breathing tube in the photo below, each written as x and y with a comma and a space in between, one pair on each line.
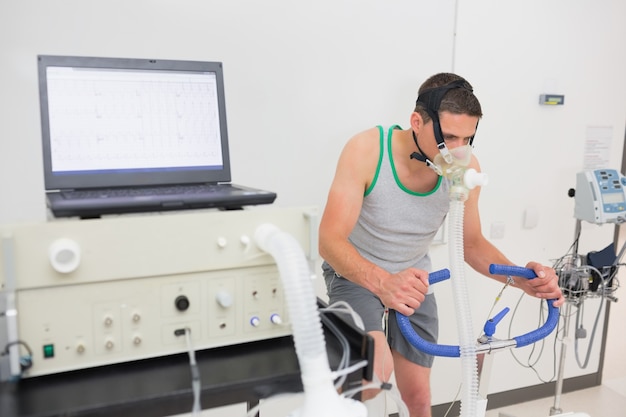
459, 191
321, 398
461, 181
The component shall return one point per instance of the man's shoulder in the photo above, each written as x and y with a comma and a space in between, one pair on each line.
367, 138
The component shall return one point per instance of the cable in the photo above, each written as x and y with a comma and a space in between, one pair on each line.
195, 372
579, 314
530, 363
345, 345
456, 397
26, 362
343, 307
351, 369
403, 411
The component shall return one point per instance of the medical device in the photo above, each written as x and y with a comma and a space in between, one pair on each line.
600, 196
76, 294
599, 199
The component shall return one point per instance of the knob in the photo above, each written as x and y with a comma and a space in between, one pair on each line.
275, 318
224, 299
254, 321
490, 325
181, 303
64, 255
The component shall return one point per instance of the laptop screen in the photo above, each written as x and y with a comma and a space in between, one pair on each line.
110, 122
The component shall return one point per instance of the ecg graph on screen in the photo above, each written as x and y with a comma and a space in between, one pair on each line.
111, 120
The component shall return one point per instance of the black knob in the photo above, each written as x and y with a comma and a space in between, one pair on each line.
181, 303
571, 192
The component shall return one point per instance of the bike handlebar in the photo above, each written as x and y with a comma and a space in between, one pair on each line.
454, 350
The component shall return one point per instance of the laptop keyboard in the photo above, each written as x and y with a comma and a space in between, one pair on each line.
146, 191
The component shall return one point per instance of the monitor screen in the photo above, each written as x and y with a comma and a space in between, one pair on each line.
116, 121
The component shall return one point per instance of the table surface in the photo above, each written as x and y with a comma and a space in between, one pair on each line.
162, 386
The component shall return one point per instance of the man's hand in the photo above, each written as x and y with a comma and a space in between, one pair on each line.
404, 291
546, 285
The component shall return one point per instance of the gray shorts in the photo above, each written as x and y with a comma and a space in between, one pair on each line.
371, 310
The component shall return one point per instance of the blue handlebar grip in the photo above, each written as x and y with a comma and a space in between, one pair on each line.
518, 271
414, 339
438, 276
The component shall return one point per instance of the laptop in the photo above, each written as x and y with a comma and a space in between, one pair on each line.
127, 135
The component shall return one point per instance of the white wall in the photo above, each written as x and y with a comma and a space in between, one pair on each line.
512, 53
302, 77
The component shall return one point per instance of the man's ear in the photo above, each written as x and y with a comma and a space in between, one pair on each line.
417, 122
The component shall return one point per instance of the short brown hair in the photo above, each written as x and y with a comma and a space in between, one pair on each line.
456, 100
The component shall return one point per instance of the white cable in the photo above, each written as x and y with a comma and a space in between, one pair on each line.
195, 374
343, 307
351, 393
392, 390
349, 369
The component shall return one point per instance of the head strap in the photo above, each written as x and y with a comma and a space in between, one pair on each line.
421, 156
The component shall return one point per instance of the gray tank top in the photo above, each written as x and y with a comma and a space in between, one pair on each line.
397, 225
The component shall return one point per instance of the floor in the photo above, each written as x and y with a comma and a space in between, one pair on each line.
606, 400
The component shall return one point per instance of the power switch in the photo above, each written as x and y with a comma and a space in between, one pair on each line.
48, 351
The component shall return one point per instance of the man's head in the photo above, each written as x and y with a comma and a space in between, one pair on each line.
459, 99
447, 100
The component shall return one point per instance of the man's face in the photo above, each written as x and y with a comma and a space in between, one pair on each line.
457, 129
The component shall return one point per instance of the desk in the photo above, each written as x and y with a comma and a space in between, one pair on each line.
162, 386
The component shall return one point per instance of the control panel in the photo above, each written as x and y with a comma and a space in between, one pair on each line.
85, 293
600, 196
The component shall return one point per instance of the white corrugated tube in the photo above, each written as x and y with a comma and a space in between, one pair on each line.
321, 399
467, 342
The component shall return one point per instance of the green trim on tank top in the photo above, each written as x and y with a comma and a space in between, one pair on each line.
380, 162
395, 174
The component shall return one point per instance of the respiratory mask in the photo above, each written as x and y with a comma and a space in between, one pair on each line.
450, 163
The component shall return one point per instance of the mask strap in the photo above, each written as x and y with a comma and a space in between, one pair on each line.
420, 157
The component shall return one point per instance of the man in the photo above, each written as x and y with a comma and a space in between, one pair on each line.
384, 207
